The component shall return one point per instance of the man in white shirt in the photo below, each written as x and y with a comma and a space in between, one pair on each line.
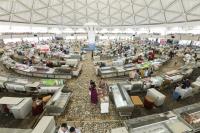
74, 130
63, 128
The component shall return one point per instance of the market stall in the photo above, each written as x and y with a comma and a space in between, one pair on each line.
19, 107
191, 115
164, 122
58, 102
121, 100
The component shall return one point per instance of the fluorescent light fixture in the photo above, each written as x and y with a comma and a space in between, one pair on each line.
68, 30
129, 30
39, 29
116, 31
81, 37
80, 31
9, 40
70, 37
55, 30
104, 31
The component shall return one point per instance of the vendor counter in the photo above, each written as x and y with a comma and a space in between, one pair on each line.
183, 119
57, 104
122, 100
44, 74
165, 122
45, 125
44, 86
114, 71
143, 84
63, 72
19, 107
191, 115
118, 70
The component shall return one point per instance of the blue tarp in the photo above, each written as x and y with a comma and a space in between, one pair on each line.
90, 47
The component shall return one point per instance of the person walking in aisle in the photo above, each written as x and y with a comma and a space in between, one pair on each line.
63, 128
93, 93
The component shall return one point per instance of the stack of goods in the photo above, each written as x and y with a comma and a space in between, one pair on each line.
41, 68
43, 48
193, 119
21, 66
63, 69
156, 81
174, 78
196, 85
46, 98
158, 62
144, 65
147, 83
188, 58
8, 62
118, 62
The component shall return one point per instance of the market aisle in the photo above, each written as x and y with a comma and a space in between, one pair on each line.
80, 112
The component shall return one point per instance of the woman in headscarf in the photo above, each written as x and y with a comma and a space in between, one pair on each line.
102, 84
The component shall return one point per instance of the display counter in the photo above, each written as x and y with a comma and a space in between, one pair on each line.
16, 84
132, 86
124, 70
114, 71
122, 100
177, 75
73, 56
44, 75
191, 115
19, 107
165, 122
107, 72
42, 71
46, 125
57, 104
21, 110
44, 86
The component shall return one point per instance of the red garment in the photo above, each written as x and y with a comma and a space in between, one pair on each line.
94, 95
151, 55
